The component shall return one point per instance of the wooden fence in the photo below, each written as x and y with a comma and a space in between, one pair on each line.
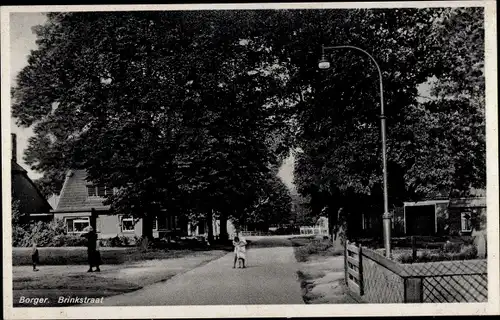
354, 268
313, 231
373, 278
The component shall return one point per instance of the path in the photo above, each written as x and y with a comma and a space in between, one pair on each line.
270, 278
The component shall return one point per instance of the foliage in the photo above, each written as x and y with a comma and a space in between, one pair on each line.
272, 206
118, 241
65, 240
51, 182
192, 111
106, 92
433, 145
44, 234
322, 247
464, 252
17, 216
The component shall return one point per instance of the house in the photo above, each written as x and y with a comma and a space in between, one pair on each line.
31, 200
434, 216
81, 203
446, 216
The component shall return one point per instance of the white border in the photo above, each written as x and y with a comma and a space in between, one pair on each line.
492, 307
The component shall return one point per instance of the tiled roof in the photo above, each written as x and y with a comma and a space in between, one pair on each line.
74, 194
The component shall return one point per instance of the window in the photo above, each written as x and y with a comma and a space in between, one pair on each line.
466, 221
76, 225
91, 191
367, 222
155, 224
127, 224
99, 191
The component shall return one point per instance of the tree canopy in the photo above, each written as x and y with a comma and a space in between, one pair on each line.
193, 110
434, 145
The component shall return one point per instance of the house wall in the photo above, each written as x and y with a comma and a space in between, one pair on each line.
108, 226
71, 215
455, 219
448, 214
441, 215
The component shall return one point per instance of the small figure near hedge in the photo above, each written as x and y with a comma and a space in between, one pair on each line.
93, 253
35, 257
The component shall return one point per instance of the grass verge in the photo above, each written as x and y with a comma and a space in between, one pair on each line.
321, 271
109, 256
56, 281
304, 248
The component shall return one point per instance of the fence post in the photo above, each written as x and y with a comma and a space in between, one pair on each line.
361, 282
485, 247
346, 274
413, 248
413, 290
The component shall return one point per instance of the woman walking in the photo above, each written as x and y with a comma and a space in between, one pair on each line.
93, 254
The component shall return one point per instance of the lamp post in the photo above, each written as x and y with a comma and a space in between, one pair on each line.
324, 63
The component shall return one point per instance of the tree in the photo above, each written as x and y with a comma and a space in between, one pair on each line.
272, 205
340, 166
174, 129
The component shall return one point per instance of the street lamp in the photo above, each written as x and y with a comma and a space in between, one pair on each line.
324, 64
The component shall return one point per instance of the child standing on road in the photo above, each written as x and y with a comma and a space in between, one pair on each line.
239, 252
35, 258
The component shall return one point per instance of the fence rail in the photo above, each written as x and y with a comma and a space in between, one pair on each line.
354, 268
376, 279
254, 233
313, 230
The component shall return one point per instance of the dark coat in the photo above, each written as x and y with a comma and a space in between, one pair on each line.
35, 256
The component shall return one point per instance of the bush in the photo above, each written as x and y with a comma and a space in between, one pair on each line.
68, 241
452, 247
43, 233
468, 252
316, 247
119, 241
405, 258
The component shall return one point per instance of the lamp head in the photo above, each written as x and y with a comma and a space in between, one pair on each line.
323, 63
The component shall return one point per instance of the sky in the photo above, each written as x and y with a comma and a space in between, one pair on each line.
22, 41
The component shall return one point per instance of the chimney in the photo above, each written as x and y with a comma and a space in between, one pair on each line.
14, 147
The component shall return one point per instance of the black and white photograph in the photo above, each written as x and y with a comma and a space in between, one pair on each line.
250, 160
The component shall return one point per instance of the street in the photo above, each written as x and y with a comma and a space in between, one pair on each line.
270, 278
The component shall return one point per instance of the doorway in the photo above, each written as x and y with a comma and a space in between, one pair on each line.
420, 220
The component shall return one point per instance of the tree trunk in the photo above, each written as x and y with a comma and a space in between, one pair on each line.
210, 226
338, 228
223, 228
147, 227
331, 224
